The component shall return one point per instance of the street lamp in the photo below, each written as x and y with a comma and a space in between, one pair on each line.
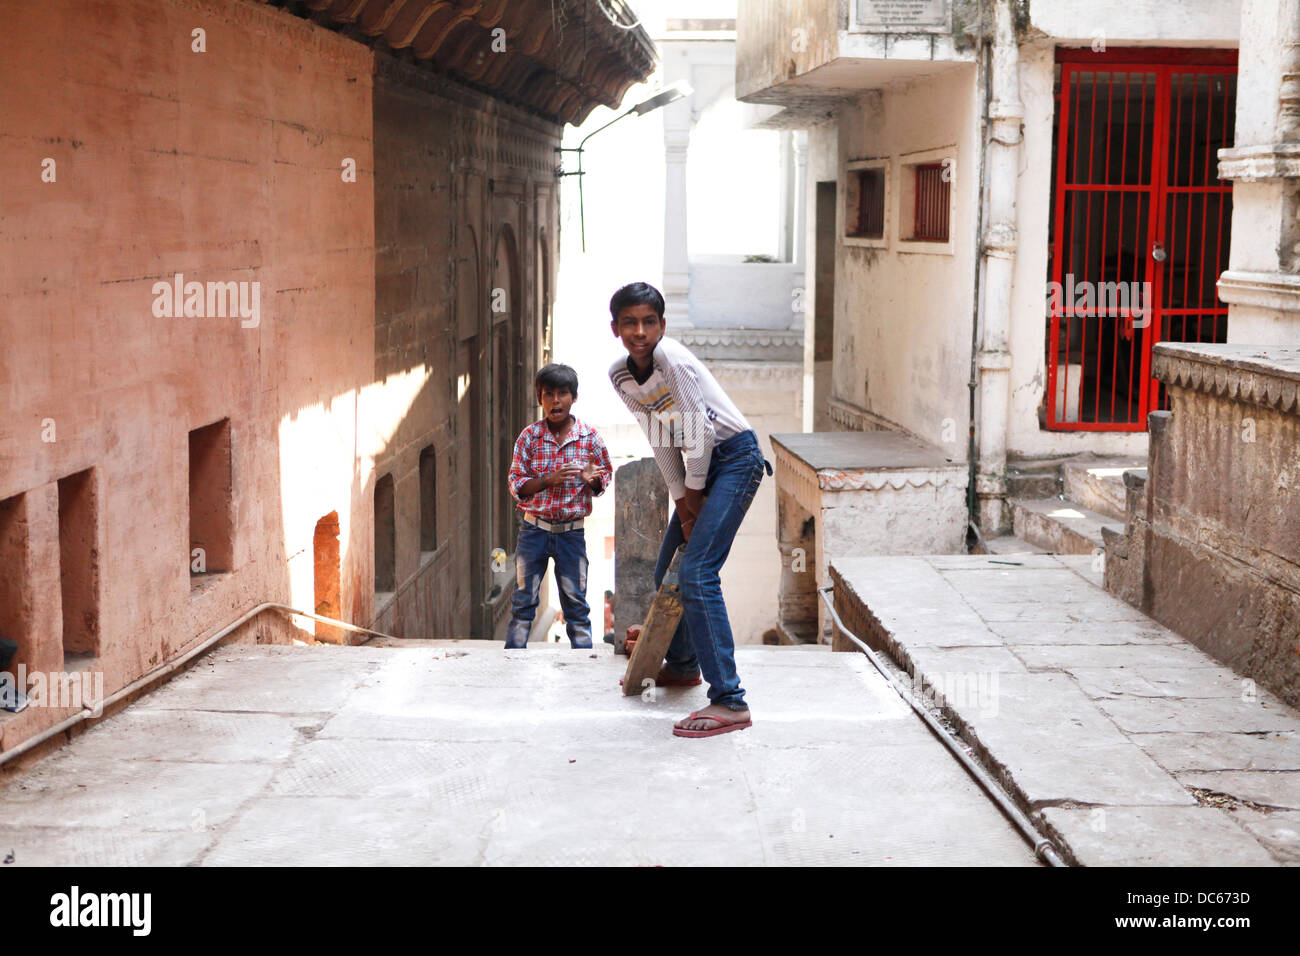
668, 95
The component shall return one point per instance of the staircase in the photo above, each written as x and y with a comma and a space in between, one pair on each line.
1063, 507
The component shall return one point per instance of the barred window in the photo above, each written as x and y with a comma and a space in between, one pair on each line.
932, 194
864, 215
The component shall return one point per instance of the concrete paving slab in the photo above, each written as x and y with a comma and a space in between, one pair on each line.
142, 795
1112, 775
196, 736
1054, 745
1066, 657
1269, 788
855, 836
1222, 751
532, 757
1146, 715
1051, 580
1087, 566
963, 662
344, 831
984, 562
1161, 682
100, 846
1112, 632
244, 684
1113, 711
1278, 831
1063, 615
1155, 836
402, 770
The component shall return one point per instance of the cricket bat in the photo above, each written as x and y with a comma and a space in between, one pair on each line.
657, 632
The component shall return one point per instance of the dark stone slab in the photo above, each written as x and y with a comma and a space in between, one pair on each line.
862, 450
640, 518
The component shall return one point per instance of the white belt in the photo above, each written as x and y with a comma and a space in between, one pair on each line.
556, 527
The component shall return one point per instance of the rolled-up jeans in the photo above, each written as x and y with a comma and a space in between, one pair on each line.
703, 640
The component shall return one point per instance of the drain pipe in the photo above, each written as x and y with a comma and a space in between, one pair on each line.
1043, 848
1002, 157
164, 669
973, 382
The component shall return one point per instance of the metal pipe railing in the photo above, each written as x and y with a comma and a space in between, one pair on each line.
1043, 848
89, 712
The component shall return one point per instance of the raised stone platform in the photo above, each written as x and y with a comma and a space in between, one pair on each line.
1128, 745
1211, 546
874, 492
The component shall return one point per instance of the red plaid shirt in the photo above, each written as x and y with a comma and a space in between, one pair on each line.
537, 453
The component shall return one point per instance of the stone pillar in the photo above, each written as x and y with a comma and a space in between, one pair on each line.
800, 201
677, 268
800, 294
640, 518
785, 213
1262, 284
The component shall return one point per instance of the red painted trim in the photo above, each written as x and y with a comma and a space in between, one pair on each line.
1165, 65
1143, 56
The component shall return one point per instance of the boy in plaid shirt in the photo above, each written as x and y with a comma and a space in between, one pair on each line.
559, 462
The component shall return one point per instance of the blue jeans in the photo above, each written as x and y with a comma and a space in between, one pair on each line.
703, 640
535, 548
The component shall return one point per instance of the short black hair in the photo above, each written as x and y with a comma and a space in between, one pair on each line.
556, 377
636, 293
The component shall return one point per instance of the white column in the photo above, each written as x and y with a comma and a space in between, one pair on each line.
677, 267
1006, 112
1262, 283
799, 202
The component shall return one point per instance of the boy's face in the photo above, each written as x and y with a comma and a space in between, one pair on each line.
555, 403
640, 327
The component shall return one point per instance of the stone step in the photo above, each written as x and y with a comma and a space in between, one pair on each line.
1034, 479
1060, 526
1010, 544
1124, 743
1098, 483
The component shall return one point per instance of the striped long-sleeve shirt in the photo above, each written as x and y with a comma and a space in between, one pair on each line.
682, 410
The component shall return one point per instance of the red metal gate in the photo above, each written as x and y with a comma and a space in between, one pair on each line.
1140, 225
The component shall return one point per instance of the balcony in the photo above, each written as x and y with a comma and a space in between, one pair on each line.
803, 55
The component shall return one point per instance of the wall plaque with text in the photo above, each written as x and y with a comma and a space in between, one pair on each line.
900, 14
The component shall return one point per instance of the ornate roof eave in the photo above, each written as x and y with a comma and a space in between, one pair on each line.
542, 69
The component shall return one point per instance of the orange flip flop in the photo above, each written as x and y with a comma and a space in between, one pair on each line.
724, 726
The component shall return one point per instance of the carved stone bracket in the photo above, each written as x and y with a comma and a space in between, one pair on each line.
1253, 163
1267, 376
1279, 291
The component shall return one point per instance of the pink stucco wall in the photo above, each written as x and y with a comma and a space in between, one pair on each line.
222, 165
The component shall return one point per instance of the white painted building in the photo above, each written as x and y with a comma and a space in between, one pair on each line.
963, 155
